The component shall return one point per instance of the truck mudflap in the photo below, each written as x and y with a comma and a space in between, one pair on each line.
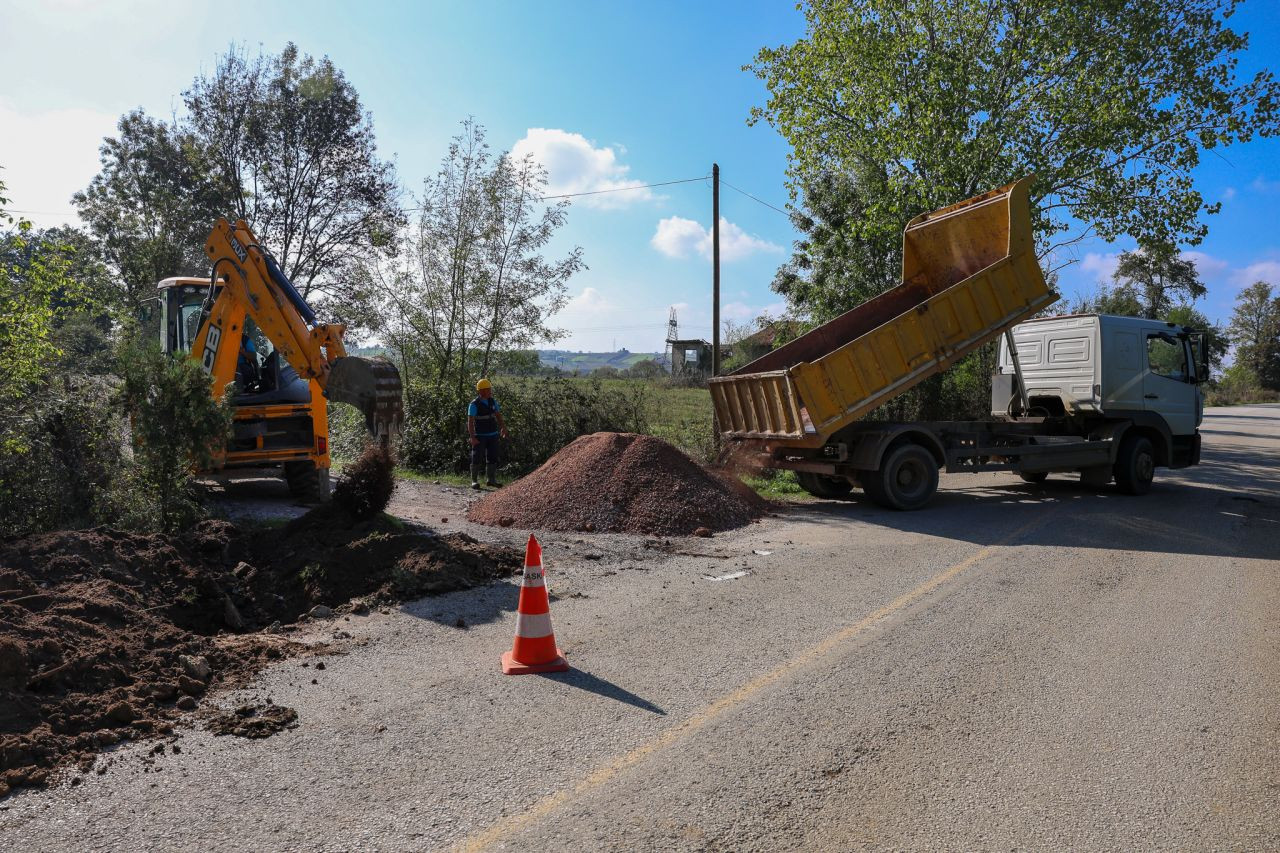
969, 273
373, 386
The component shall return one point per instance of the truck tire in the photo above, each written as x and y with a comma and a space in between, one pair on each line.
822, 486
1135, 466
906, 480
307, 483
1035, 477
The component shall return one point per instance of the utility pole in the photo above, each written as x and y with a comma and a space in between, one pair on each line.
715, 290
715, 269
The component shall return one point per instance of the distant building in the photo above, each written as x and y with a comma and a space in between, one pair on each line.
691, 358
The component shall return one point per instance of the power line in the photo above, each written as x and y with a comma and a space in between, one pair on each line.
625, 189
753, 198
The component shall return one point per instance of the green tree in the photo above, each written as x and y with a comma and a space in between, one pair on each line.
289, 138
178, 425
469, 278
35, 291
1154, 276
152, 205
1255, 330
897, 107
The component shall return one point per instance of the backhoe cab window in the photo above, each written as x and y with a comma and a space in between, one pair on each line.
1167, 356
188, 325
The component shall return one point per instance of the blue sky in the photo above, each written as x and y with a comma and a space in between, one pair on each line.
610, 93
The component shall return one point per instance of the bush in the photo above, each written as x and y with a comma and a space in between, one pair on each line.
544, 414
178, 425
61, 452
366, 486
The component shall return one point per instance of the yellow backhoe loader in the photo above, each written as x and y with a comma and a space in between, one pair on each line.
247, 324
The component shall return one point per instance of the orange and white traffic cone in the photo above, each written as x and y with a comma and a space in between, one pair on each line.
535, 646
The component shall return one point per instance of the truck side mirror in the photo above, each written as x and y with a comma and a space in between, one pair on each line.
1200, 353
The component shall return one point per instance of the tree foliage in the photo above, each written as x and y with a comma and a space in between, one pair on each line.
470, 278
1255, 331
897, 107
280, 141
1154, 276
36, 291
178, 425
287, 137
152, 205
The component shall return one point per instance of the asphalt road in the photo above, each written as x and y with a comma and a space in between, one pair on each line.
1016, 666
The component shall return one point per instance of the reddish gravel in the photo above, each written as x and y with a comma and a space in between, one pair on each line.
613, 482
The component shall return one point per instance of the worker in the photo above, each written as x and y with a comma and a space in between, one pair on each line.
248, 372
485, 426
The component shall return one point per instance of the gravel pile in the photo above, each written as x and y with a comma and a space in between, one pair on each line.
611, 482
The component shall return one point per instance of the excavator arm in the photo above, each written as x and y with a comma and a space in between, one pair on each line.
253, 285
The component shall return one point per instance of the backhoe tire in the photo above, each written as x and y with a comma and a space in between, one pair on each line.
907, 478
1135, 466
1034, 477
822, 486
307, 483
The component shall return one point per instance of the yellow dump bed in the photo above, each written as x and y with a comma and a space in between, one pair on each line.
969, 272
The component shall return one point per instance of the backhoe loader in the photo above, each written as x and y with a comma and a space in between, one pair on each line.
248, 324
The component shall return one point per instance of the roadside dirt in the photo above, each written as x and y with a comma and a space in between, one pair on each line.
108, 636
611, 482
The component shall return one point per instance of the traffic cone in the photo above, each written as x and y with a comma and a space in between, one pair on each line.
535, 646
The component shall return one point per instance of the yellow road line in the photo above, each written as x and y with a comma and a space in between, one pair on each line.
510, 825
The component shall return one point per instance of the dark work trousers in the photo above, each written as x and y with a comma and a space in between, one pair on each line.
486, 451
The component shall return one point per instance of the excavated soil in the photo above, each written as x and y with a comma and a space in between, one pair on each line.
612, 482
108, 636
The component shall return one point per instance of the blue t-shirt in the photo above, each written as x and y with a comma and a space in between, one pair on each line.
486, 423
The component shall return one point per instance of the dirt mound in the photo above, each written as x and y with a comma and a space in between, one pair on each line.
108, 636
255, 721
366, 485
621, 483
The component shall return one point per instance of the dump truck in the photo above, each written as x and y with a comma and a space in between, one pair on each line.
247, 324
1104, 397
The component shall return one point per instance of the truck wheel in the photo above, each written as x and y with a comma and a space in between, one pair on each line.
907, 478
1035, 477
822, 486
307, 483
1135, 466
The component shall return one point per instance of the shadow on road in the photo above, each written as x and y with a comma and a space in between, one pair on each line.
1231, 486
584, 680
464, 608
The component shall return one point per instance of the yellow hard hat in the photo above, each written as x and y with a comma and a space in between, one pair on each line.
483, 384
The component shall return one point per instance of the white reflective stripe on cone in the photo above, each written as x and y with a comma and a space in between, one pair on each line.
533, 576
533, 625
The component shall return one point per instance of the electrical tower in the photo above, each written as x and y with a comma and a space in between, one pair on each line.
673, 335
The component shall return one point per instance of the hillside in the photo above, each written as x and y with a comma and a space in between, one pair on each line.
585, 362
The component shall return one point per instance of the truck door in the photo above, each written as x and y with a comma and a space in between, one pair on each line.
1167, 386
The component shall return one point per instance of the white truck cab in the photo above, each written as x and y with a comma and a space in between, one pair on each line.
1098, 369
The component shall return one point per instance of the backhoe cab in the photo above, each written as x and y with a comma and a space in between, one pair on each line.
248, 325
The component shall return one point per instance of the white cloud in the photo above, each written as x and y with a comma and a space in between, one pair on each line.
589, 301
1268, 271
574, 165
677, 237
1262, 185
1207, 265
1229, 193
1103, 266
49, 156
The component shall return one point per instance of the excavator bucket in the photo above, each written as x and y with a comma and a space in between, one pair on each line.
373, 386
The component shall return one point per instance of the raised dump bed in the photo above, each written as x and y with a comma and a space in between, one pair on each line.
969, 272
